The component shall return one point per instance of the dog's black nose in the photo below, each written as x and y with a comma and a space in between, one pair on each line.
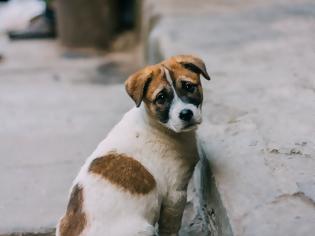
186, 115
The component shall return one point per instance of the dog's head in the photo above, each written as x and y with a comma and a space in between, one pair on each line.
171, 91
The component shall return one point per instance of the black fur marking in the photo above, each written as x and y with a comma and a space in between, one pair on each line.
192, 67
162, 111
145, 89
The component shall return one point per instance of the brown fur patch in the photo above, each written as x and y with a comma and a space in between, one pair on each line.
178, 70
196, 97
178, 74
124, 172
136, 84
192, 63
157, 85
74, 221
159, 81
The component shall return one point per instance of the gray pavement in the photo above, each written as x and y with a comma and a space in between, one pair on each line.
54, 109
259, 128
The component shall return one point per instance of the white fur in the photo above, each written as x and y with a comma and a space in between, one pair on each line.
168, 156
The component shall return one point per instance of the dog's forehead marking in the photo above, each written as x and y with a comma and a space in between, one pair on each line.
170, 81
123, 171
74, 221
168, 77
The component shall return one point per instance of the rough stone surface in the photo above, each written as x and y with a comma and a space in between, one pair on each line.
258, 133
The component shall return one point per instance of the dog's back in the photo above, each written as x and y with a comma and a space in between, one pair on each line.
113, 189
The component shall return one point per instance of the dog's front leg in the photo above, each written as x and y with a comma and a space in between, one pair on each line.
171, 213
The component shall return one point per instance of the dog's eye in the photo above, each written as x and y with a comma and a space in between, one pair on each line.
189, 87
160, 98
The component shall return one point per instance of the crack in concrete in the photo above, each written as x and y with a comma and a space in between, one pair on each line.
297, 195
300, 195
292, 152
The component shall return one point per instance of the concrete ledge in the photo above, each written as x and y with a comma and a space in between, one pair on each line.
45, 233
258, 133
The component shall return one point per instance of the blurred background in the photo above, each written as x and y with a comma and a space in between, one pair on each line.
62, 65
62, 68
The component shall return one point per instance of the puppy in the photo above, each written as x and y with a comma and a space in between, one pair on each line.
138, 175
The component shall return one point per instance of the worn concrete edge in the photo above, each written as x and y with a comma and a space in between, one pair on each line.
212, 209
46, 232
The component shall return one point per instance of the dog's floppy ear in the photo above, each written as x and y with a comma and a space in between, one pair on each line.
137, 84
193, 64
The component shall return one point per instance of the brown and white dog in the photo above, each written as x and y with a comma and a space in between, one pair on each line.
138, 175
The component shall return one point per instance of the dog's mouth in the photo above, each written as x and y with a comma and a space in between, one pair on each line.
190, 126
183, 126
